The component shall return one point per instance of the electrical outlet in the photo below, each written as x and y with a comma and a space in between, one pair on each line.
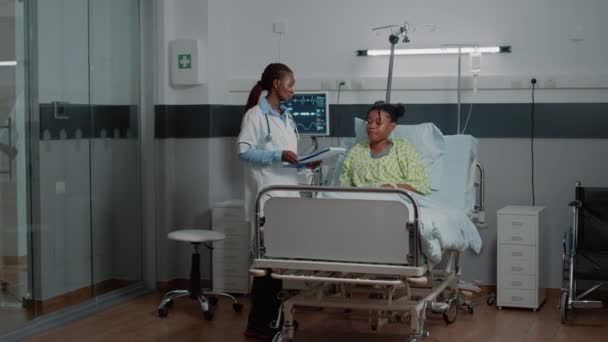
326, 84
279, 26
358, 85
345, 84
516, 84
549, 83
60, 188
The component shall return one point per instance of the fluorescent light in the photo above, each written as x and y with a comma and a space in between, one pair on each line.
436, 51
8, 63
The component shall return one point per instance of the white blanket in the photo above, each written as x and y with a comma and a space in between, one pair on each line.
441, 227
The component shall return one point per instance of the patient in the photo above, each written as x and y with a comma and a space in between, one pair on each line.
382, 161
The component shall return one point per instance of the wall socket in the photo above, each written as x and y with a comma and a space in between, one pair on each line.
345, 84
358, 85
279, 26
549, 83
59, 188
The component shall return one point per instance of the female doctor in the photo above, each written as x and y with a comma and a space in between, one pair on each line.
268, 138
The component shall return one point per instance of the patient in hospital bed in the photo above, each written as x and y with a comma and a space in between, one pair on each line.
381, 161
436, 169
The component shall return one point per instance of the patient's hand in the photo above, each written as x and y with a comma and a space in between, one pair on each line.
400, 186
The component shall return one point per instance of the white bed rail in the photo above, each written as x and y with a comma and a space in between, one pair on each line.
479, 217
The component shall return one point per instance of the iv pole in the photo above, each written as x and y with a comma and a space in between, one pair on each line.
393, 39
459, 46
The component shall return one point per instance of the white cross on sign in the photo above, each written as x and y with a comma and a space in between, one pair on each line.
184, 61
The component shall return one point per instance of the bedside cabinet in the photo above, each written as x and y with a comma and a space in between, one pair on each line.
521, 239
230, 260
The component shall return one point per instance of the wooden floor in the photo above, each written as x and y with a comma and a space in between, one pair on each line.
137, 321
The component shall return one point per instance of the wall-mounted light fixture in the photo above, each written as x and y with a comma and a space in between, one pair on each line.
448, 49
436, 51
8, 63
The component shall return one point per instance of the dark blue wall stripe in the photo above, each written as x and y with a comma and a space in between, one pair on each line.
488, 120
91, 120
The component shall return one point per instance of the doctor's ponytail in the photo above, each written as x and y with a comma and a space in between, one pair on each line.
272, 72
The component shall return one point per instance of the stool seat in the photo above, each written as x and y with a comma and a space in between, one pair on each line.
205, 298
196, 235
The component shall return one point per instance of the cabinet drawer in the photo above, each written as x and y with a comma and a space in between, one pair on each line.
218, 214
232, 228
230, 257
517, 229
511, 281
234, 271
231, 284
232, 243
511, 297
517, 266
517, 252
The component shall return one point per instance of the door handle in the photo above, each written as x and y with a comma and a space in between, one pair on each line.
59, 110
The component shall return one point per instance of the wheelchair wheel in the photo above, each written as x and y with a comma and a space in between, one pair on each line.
563, 307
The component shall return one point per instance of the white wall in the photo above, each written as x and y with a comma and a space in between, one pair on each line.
320, 43
322, 37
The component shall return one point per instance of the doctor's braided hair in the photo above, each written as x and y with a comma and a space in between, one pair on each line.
395, 111
272, 72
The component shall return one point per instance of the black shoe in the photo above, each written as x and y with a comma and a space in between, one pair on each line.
260, 332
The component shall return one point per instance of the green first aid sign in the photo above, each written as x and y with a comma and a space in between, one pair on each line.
184, 61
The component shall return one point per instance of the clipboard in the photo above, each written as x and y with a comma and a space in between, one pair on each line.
316, 156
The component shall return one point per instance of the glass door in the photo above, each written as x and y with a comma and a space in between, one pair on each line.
14, 253
115, 148
70, 175
88, 215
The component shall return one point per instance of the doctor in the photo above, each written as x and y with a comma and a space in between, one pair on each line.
268, 138
268, 135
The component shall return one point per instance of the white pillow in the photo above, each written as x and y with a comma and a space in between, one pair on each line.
426, 138
347, 144
458, 189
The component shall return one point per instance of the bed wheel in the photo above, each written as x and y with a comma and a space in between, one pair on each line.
491, 299
563, 307
451, 312
281, 336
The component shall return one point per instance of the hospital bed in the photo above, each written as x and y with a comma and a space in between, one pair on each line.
585, 250
368, 248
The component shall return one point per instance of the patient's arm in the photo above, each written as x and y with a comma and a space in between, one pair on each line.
402, 186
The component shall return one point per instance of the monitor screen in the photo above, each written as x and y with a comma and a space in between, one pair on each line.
310, 112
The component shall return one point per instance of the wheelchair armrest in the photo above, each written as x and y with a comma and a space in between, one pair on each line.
576, 203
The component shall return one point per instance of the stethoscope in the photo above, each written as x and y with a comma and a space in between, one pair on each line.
291, 120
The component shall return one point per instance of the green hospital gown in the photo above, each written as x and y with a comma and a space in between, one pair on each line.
402, 165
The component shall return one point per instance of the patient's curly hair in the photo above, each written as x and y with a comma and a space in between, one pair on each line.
395, 111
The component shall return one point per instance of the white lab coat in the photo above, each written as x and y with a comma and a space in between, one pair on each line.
254, 133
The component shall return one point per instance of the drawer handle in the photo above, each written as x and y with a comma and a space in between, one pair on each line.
516, 238
516, 283
517, 298
517, 254
517, 224
517, 269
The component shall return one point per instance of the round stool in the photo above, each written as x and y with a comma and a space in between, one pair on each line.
196, 237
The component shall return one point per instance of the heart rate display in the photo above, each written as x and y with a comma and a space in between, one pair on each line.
310, 112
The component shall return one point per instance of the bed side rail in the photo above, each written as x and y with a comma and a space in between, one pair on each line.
479, 214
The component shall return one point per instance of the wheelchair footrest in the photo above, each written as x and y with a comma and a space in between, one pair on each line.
587, 304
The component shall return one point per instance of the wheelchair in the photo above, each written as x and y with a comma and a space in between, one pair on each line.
585, 250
